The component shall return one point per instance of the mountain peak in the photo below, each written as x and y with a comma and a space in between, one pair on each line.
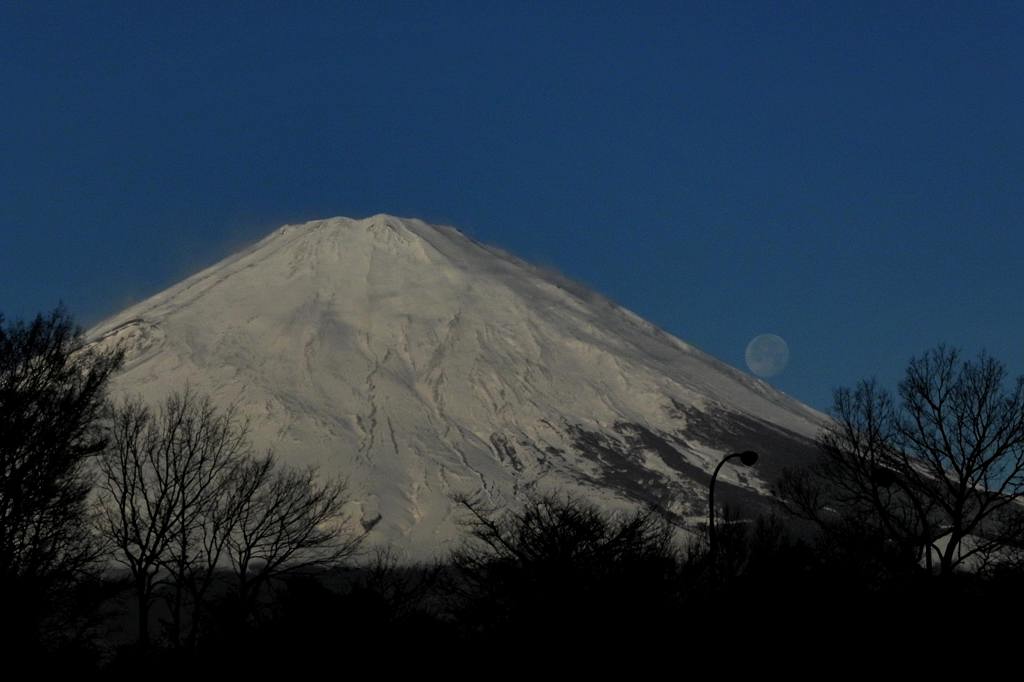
421, 364
377, 224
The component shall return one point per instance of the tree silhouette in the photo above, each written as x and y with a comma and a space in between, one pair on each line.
560, 569
52, 393
934, 474
182, 497
283, 520
166, 507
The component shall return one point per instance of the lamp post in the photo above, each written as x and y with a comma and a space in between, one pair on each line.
748, 458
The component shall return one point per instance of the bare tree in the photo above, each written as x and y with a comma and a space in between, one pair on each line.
181, 496
284, 520
560, 563
210, 448
938, 472
52, 393
135, 505
165, 503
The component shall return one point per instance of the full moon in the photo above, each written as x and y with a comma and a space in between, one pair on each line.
767, 355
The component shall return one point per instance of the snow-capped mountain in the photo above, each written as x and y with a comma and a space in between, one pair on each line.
420, 363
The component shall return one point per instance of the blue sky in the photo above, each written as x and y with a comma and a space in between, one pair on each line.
846, 175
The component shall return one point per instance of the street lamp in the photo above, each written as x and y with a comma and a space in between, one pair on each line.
748, 458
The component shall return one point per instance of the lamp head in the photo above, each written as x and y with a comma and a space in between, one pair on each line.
749, 458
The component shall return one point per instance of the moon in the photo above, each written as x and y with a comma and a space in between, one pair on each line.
767, 355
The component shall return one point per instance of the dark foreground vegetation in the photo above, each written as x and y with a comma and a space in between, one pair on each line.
138, 540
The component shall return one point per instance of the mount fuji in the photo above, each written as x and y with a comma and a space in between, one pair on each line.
420, 364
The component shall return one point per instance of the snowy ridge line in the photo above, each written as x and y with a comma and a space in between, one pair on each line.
168, 296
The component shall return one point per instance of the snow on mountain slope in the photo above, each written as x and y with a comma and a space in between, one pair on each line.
420, 363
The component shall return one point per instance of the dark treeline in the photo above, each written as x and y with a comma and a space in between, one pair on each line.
151, 539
